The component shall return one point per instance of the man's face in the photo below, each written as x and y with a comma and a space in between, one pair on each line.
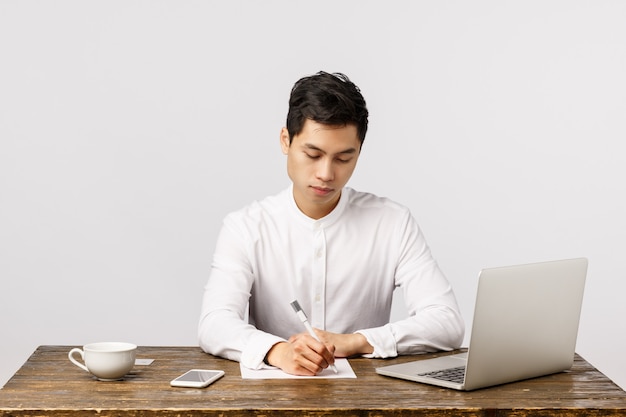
320, 161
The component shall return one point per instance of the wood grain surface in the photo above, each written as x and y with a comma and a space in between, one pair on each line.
49, 385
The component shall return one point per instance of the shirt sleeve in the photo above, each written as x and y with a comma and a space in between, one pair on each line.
223, 329
434, 321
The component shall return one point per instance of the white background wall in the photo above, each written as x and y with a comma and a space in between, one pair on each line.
128, 129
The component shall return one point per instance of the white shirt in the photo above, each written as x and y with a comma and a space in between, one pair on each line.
342, 269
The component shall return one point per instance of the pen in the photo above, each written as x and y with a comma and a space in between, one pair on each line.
305, 321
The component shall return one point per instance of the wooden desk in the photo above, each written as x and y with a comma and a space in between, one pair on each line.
49, 385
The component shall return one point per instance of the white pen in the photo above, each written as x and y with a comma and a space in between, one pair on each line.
305, 321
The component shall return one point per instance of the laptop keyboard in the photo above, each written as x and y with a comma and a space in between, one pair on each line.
456, 375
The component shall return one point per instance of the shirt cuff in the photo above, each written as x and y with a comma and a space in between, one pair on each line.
382, 340
254, 353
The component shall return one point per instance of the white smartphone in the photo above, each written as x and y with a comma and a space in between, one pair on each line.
197, 378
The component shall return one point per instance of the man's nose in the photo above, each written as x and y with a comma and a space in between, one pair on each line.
325, 170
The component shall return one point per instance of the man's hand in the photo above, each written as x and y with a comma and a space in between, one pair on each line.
346, 345
301, 355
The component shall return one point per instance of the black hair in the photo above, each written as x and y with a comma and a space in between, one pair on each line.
330, 99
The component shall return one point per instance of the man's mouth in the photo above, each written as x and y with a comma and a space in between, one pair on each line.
322, 191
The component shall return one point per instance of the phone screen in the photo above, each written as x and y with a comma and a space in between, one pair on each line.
198, 376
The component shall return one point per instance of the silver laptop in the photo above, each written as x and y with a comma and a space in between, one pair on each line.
525, 325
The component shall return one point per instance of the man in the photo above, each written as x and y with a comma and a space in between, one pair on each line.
339, 252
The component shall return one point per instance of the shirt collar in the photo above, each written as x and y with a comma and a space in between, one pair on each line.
325, 221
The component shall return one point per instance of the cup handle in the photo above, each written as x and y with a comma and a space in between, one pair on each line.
74, 361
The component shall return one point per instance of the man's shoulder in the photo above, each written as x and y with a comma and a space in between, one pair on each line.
367, 200
258, 209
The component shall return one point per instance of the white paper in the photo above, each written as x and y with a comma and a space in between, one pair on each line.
344, 370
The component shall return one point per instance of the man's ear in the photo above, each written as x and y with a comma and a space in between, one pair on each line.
284, 140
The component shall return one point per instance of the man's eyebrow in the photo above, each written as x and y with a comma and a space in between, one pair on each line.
315, 148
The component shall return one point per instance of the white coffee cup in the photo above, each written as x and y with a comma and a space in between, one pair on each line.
107, 361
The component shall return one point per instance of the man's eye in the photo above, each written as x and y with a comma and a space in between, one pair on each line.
312, 156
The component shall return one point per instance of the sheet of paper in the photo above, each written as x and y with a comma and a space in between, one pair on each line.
344, 370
